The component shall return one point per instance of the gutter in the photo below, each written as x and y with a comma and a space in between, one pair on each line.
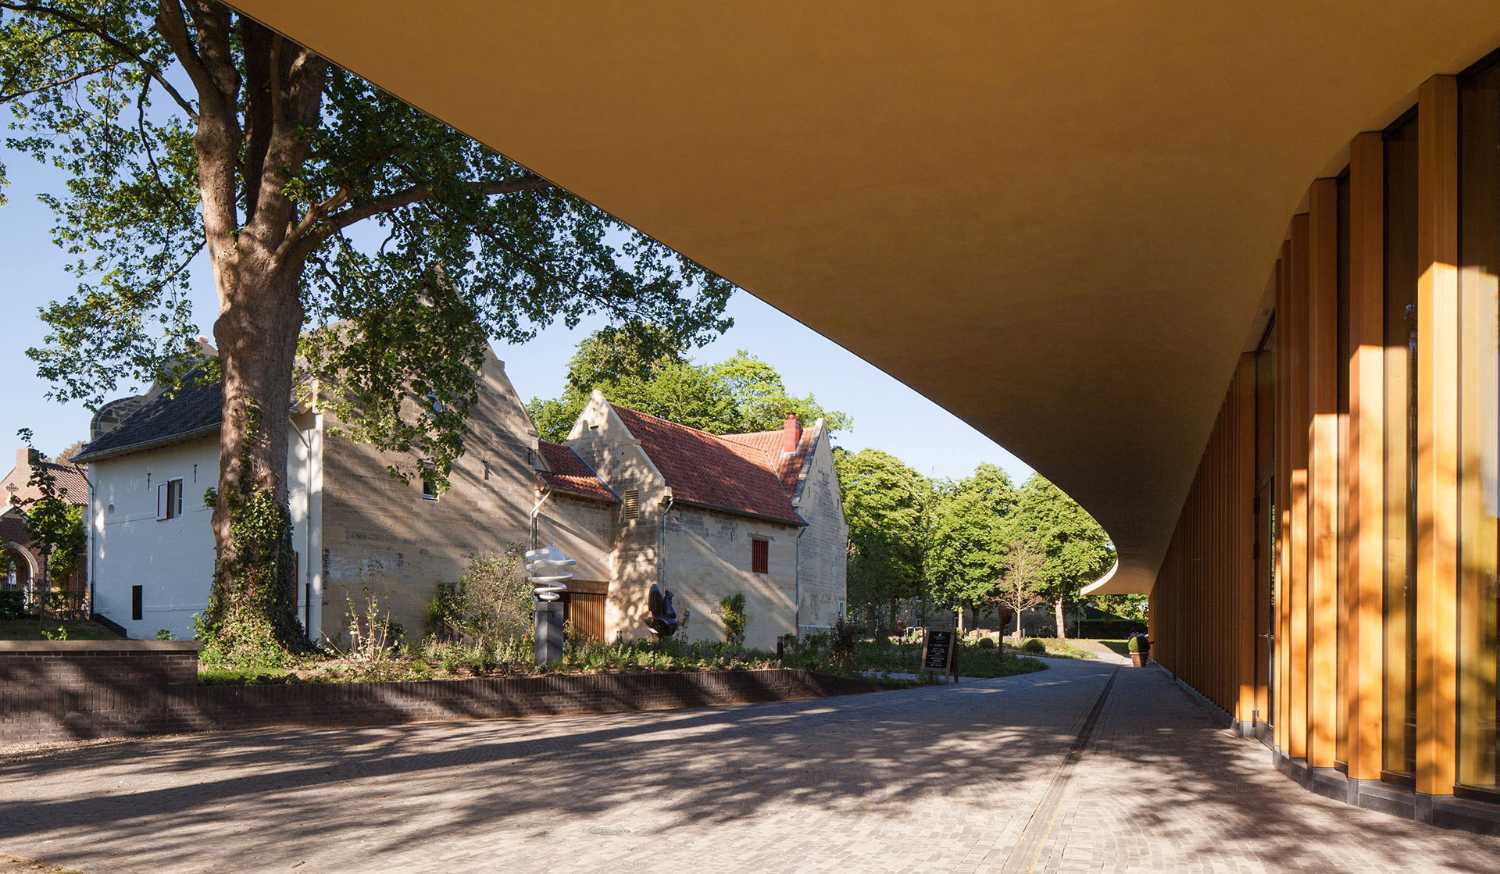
142, 446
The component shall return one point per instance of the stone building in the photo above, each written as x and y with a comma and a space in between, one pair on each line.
708, 516
703, 516
25, 565
357, 531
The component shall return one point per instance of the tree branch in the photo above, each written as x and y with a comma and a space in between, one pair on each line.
119, 45
311, 233
58, 83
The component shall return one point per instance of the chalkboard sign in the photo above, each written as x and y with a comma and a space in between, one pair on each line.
938, 652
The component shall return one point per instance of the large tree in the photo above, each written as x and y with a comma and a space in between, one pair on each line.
1076, 549
738, 395
182, 128
971, 536
886, 504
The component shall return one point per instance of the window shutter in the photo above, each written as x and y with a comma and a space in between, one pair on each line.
161, 501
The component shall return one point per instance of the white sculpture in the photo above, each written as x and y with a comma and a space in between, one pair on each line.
548, 570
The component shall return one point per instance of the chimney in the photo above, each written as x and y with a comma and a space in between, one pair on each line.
23, 463
791, 433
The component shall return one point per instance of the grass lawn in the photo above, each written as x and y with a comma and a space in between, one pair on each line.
31, 629
1062, 649
1118, 646
973, 660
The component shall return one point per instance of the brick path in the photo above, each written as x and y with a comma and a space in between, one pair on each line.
945, 778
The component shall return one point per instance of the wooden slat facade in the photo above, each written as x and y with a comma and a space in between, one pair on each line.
1293, 617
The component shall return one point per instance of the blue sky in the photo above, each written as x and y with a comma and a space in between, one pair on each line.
887, 415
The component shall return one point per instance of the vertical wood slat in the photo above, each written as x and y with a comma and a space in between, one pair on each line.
1298, 428
1437, 434
1366, 461
1243, 541
1283, 496
1321, 378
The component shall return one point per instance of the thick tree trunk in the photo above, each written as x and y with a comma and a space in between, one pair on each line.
256, 333
1062, 630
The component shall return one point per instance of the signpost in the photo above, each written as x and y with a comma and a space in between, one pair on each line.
940, 653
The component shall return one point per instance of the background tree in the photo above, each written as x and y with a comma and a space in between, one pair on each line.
183, 127
971, 535
1076, 548
54, 524
1136, 608
737, 395
1024, 583
886, 505
69, 451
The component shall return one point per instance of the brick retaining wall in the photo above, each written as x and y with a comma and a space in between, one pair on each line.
58, 691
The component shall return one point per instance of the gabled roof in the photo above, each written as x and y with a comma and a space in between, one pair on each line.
71, 484
572, 475
196, 410
768, 445
713, 472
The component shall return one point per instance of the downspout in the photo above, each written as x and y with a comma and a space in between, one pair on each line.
661, 544
89, 535
305, 567
797, 585
536, 509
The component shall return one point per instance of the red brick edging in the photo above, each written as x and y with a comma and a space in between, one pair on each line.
53, 692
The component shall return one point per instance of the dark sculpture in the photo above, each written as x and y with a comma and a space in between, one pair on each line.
663, 619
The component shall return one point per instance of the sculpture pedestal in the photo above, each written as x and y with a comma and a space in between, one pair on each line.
549, 632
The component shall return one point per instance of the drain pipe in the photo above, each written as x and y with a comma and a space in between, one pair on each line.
661, 544
797, 585
536, 509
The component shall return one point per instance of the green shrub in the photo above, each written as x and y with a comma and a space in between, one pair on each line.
1133, 643
1034, 646
732, 614
986, 643
490, 604
164, 634
12, 605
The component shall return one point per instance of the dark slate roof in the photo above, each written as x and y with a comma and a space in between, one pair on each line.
572, 475
196, 410
708, 471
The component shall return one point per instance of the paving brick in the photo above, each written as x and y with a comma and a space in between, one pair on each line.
930, 779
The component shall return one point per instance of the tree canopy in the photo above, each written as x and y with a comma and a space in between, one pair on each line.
182, 127
635, 369
1076, 548
971, 536
886, 505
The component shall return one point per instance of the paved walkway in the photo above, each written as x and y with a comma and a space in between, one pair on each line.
970, 777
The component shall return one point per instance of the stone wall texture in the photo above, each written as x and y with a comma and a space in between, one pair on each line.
61, 694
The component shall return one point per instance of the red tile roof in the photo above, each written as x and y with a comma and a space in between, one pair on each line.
768, 444
69, 480
572, 475
719, 473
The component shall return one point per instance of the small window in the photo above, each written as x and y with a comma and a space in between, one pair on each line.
632, 503
760, 556
429, 489
169, 499
136, 597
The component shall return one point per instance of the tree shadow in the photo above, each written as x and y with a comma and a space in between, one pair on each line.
860, 779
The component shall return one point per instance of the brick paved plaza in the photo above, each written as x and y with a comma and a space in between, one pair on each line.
961, 778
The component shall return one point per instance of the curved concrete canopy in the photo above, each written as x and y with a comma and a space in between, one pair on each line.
1057, 220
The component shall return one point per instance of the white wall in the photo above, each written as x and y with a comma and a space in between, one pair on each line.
171, 559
